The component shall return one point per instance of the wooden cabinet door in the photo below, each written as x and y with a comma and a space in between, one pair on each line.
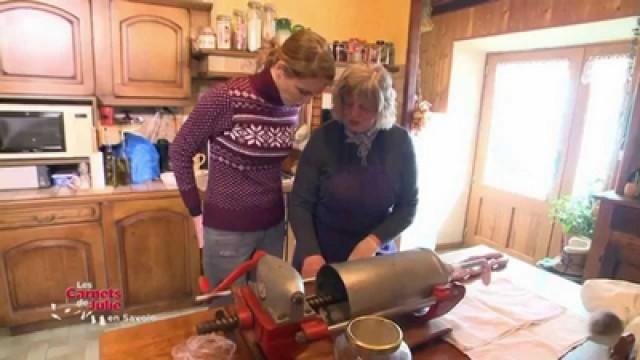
150, 51
156, 259
38, 264
45, 47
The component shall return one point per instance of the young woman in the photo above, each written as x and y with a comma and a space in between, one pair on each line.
249, 122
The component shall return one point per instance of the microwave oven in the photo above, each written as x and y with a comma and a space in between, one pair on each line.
40, 131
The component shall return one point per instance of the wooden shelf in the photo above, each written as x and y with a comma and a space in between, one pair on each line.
612, 196
187, 4
143, 102
218, 75
390, 68
199, 54
43, 161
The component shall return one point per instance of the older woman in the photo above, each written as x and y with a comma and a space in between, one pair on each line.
355, 188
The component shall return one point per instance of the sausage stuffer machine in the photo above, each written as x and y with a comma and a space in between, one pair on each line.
284, 319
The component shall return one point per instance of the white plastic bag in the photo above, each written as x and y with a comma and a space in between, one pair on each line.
203, 347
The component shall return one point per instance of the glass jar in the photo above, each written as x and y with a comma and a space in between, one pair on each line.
383, 54
343, 52
283, 30
372, 53
392, 53
254, 26
223, 32
356, 49
268, 23
371, 338
206, 39
239, 30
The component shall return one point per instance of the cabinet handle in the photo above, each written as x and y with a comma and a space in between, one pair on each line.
46, 219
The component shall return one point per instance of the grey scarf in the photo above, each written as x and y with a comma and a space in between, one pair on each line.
363, 141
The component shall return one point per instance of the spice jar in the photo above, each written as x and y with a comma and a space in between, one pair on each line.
206, 39
372, 53
223, 32
283, 30
334, 49
254, 26
371, 338
355, 51
343, 52
383, 54
239, 26
268, 23
392, 54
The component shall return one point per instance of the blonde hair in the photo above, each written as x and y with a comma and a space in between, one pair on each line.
305, 54
371, 85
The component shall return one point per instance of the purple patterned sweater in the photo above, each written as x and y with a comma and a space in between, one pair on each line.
250, 132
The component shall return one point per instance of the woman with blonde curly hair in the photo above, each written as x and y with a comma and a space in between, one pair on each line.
355, 188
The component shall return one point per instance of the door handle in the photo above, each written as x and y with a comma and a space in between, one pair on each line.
46, 219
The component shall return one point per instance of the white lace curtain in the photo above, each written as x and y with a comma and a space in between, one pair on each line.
608, 114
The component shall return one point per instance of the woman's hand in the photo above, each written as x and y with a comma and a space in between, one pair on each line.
197, 222
367, 247
311, 265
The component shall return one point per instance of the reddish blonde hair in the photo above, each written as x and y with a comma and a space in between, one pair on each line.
305, 54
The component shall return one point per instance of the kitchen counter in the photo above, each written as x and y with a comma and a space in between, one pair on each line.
151, 189
60, 193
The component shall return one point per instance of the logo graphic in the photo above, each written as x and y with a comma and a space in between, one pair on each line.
94, 304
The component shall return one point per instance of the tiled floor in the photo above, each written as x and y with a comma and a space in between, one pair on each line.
77, 342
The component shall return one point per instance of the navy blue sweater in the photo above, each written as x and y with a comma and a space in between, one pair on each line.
337, 201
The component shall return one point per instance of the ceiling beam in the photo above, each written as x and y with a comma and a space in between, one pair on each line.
443, 6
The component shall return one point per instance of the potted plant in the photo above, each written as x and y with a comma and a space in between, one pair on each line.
576, 216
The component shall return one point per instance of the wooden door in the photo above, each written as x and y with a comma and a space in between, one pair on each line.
156, 258
38, 264
45, 47
519, 155
150, 51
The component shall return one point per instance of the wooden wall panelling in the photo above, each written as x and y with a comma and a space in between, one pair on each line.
491, 18
440, 50
526, 14
412, 61
500, 17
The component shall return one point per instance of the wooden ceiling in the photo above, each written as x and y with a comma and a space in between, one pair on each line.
443, 6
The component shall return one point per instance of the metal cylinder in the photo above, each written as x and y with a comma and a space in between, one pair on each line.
374, 284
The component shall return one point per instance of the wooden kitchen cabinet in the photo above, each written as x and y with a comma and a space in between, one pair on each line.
142, 52
46, 47
152, 254
616, 240
142, 243
38, 263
